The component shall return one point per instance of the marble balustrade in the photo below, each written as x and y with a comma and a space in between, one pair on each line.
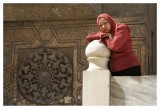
133, 90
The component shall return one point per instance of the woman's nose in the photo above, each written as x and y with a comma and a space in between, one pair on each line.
103, 26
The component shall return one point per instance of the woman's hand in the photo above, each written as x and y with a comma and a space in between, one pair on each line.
109, 35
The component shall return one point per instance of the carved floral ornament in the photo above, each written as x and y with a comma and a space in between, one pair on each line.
44, 76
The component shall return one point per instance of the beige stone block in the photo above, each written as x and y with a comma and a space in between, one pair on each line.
96, 88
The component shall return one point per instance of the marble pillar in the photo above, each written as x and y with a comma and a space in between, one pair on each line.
96, 79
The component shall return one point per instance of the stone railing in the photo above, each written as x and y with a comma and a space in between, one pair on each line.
96, 79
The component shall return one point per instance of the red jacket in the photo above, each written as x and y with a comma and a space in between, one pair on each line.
122, 56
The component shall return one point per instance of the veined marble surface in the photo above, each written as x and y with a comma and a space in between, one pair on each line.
133, 90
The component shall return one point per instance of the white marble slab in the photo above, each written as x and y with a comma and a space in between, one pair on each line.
134, 90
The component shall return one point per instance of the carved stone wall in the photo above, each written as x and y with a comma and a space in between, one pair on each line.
44, 48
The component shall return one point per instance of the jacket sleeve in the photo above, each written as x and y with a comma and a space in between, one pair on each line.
119, 39
94, 36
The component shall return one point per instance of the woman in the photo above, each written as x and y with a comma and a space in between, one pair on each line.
117, 38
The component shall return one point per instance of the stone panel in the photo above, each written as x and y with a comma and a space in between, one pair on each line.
19, 35
76, 32
46, 33
125, 10
138, 30
70, 48
19, 12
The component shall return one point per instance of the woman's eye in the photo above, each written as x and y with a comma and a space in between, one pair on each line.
105, 23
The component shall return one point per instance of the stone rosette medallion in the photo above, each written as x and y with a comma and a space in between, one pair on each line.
44, 76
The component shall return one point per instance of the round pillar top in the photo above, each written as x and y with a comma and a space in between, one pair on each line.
97, 49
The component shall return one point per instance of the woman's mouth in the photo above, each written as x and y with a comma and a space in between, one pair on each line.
105, 30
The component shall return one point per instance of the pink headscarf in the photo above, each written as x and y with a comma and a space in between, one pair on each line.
110, 20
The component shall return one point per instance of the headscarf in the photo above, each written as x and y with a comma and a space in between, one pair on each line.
110, 20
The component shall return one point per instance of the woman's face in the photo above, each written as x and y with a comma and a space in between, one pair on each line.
104, 25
